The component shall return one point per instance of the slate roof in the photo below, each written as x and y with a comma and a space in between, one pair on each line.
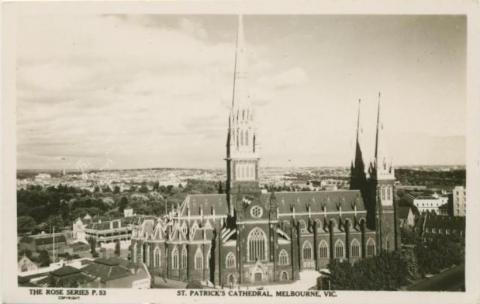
444, 222
49, 240
332, 200
109, 269
65, 271
403, 212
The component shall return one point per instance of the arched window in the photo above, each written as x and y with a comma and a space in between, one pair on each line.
184, 257
157, 257
283, 257
147, 255
230, 260
241, 138
383, 193
246, 138
389, 192
256, 245
175, 258
339, 249
198, 259
355, 249
370, 247
307, 250
284, 276
323, 249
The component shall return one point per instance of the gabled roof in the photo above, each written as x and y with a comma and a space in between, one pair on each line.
332, 200
403, 212
109, 269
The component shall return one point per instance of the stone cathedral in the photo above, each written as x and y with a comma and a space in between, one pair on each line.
246, 237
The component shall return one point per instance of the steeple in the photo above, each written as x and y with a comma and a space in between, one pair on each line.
382, 168
358, 177
242, 152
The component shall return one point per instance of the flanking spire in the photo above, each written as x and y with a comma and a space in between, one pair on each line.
382, 168
358, 179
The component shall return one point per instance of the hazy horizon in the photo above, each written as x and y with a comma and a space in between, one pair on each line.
146, 91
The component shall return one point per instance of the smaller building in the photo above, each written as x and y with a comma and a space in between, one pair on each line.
406, 217
66, 276
117, 273
426, 202
53, 243
459, 201
432, 224
110, 231
25, 264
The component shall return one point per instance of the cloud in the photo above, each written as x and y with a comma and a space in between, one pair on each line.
293, 77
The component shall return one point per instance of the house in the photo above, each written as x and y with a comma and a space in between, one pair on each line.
406, 217
25, 264
66, 276
54, 244
117, 273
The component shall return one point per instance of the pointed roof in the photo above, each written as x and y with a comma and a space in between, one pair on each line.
240, 93
382, 164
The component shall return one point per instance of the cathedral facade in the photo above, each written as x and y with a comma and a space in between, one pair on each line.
246, 237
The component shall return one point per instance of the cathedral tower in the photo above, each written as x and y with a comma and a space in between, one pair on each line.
358, 178
242, 153
382, 179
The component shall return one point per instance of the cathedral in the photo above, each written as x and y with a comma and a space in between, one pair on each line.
246, 237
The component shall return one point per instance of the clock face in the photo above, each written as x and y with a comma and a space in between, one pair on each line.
256, 211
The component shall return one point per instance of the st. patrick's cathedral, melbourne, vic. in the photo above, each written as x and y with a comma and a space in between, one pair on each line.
246, 237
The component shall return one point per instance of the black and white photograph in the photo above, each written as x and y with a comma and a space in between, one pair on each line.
238, 155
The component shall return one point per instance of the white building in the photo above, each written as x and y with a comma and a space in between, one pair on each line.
459, 201
427, 202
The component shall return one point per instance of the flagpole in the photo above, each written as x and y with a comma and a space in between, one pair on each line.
53, 235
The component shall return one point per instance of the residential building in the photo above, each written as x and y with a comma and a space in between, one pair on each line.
25, 264
426, 202
406, 217
459, 201
117, 273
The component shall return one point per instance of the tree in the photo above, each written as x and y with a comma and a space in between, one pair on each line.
116, 189
123, 204
43, 258
55, 221
220, 187
25, 224
143, 188
387, 271
117, 248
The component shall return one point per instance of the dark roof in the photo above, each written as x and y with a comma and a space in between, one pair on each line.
403, 212
109, 269
444, 222
347, 199
65, 271
49, 240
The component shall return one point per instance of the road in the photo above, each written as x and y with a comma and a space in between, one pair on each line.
449, 280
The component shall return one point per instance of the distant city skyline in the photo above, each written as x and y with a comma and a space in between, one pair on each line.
153, 91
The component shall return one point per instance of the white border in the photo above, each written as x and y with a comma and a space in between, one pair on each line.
10, 11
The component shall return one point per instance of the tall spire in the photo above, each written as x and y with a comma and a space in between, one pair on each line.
358, 177
240, 94
382, 164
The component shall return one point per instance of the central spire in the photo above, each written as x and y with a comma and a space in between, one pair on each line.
240, 94
242, 153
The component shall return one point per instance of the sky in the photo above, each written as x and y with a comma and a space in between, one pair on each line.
142, 91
